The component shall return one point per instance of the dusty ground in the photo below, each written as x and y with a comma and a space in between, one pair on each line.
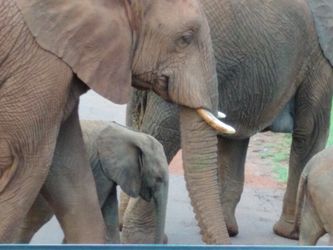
257, 211
260, 170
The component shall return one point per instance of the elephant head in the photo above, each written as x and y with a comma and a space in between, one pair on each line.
143, 172
107, 43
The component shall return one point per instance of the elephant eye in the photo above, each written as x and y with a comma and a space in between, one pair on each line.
185, 40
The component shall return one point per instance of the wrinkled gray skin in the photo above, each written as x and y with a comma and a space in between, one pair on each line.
315, 199
50, 52
117, 155
272, 76
322, 14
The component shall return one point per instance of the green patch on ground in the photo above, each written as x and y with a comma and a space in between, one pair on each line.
278, 154
282, 172
330, 137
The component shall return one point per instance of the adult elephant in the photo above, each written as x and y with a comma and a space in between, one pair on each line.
272, 75
51, 52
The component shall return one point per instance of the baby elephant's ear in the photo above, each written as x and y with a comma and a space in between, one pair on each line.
92, 36
322, 11
120, 160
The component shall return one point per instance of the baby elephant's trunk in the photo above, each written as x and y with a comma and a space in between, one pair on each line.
160, 202
144, 222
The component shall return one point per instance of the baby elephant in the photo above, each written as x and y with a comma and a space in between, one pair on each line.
314, 211
117, 155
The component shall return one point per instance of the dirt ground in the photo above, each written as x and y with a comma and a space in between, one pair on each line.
260, 166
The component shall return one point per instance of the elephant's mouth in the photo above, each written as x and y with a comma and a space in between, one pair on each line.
159, 84
151, 81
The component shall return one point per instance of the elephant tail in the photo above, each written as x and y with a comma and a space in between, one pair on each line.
299, 201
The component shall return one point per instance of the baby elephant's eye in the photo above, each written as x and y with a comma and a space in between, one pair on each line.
185, 40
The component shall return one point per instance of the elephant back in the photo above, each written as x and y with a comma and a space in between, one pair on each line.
322, 11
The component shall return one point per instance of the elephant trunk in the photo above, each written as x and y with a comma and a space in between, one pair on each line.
160, 202
138, 222
199, 144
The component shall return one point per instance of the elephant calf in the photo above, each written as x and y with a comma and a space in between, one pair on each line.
117, 155
315, 199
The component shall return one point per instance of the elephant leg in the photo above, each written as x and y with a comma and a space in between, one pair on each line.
70, 187
312, 118
31, 110
232, 155
124, 199
17, 196
110, 215
39, 214
311, 227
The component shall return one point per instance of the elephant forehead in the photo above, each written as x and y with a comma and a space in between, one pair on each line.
179, 12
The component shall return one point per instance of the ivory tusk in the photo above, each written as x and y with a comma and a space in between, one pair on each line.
221, 115
215, 123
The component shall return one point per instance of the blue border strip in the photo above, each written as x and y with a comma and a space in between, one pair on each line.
153, 247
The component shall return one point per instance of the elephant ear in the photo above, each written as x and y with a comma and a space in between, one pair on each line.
92, 36
120, 159
322, 11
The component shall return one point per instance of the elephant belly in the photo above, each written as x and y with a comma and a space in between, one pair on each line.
284, 122
248, 124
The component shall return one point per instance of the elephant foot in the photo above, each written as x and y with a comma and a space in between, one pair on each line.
232, 229
285, 228
232, 225
231, 222
165, 239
